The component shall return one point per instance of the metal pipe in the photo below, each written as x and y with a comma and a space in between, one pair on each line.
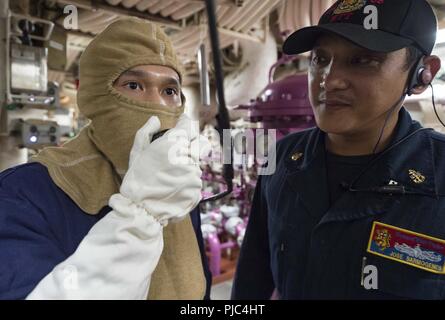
204, 76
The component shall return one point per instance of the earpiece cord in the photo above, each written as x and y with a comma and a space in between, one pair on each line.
434, 105
380, 155
407, 91
374, 160
385, 123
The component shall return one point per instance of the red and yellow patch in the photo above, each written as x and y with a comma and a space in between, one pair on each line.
408, 247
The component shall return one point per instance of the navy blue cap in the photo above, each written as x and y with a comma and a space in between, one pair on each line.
400, 23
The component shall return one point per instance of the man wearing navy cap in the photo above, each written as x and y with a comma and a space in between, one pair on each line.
356, 207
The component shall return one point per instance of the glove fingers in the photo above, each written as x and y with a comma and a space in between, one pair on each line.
185, 124
143, 136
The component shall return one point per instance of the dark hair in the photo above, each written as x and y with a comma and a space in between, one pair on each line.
413, 55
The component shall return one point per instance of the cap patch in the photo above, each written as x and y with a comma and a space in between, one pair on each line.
346, 6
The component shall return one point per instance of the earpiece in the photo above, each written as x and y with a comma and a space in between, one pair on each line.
419, 76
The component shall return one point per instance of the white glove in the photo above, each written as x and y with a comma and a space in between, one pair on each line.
115, 261
164, 177
117, 257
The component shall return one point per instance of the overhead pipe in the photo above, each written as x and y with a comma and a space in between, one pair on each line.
251, 20
243, 12
172, 8
145, 4
187, 11
255, 15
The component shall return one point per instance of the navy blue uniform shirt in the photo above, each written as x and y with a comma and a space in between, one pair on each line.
307, 249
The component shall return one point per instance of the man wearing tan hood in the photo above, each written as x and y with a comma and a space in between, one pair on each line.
106, 216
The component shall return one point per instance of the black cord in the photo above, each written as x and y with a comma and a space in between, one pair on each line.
386, 122
434, 105
380, 155
223, 115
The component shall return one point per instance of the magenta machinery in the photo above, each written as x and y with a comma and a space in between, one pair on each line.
283, 105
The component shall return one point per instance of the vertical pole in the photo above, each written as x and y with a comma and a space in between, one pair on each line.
4, 8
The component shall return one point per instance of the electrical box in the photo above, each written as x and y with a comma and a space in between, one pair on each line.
37, 134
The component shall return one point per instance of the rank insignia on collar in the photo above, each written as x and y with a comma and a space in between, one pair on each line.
408, 247
416, 176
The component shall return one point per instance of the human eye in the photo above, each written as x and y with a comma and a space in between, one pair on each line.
133, 85
366, 61
171, 91
319, 58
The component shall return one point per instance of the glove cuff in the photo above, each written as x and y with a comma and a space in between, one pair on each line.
123, 205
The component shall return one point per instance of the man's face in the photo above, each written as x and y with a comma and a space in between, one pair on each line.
358, 86
151, 83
